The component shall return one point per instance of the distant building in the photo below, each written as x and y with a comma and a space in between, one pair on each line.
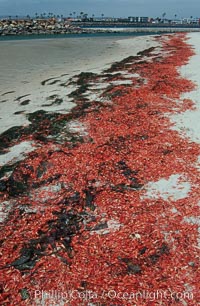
139, 19
190, 20
106, 19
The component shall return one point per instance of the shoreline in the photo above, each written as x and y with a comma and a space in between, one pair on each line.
28, 84
32, 27
111, 191
149, 29
88, 32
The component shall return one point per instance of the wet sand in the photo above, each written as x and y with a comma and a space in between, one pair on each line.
37, 75
51, 81
123, 191
32, 71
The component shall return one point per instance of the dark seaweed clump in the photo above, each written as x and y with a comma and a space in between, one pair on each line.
62, 229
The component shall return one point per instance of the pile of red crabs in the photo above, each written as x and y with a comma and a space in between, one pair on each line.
81, 230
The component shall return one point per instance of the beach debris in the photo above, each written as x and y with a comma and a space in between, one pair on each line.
21, 97
7, 93
81, 219
25, 102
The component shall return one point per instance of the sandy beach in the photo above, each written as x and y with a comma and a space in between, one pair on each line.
99, 177
188, 122
26, 64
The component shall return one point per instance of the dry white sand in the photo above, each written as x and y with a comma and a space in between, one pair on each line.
174, 188
188, 123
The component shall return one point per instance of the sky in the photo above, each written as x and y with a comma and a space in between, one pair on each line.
110, 8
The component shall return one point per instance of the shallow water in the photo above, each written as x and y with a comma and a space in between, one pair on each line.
82, 35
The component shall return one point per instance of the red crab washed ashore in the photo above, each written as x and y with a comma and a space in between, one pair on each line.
83, 233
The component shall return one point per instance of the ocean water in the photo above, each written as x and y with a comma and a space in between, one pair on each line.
83, 35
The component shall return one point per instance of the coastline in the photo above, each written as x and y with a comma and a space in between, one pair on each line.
111, 191
30, 27
148, 29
